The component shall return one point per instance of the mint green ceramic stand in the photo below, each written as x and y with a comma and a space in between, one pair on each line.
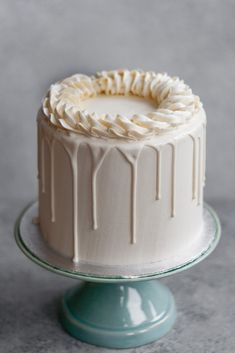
111, 311
118, 315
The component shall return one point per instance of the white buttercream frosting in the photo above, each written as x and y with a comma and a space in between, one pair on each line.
175, 104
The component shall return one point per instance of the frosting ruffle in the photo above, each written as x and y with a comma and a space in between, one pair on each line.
175, 104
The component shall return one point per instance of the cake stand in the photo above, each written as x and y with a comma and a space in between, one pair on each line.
128, 310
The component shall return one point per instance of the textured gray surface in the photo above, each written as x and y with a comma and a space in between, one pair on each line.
41, 41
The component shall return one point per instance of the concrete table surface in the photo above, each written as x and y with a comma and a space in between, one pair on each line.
42, 41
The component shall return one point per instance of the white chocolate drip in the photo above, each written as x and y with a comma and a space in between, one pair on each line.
38, 151
204, 154
198, 165
158, 171
194, 186
42, 157
73, 154
52, 144
98, 156
173, 177
199, 170
132, 158
159, 158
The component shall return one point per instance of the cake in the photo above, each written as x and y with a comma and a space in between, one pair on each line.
121, 166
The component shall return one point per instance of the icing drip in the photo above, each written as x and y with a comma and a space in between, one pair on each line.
174, 100
72, 153
52, 181
38, 151
204, 154
133, 205
158, 171
159, 158
132, 157
42, 174
199, 169
98, 155
194, 186
198, 173
173, 175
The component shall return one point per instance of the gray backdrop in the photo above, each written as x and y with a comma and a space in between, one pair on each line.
42, 41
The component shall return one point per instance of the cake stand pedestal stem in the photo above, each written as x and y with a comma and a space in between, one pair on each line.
118, 315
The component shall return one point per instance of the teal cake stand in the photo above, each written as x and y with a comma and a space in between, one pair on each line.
128, 310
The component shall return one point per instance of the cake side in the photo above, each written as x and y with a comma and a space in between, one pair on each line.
115, 202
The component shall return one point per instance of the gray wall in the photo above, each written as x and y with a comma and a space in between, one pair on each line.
42, 41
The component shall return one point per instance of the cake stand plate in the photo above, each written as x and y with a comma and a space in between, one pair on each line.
111, 309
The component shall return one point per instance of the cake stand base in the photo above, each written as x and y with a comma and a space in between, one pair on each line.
110, 309
121, 315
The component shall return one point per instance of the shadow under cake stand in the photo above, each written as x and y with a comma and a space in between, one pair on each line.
128, 310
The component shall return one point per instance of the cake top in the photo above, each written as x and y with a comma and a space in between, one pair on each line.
123, 104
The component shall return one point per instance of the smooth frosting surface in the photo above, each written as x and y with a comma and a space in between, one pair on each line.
124, 105
173, 104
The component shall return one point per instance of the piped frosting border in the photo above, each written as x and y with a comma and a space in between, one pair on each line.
175, 104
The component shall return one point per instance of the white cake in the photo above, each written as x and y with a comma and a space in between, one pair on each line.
121, 168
